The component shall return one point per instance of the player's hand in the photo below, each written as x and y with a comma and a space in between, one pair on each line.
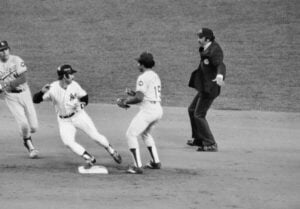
46, 88
3, 85
130, 92
219, 80
121, 102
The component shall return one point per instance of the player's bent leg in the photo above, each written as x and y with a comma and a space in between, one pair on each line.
136, 127
134, 148
86, 124
150, 143
19, 114
73, 145
67, 133
33, 153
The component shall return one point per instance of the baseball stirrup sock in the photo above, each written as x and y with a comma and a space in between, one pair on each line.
87, 156
28, 143
109, 149
136, 157
154, 154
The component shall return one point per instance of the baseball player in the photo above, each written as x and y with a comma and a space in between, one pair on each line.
148, 95
69, 100
13, 84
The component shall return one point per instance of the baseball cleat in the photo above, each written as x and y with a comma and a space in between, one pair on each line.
33, 154
134, 170
117, 157
153, 165
90, 162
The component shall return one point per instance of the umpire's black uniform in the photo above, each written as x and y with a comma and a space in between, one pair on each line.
211, 64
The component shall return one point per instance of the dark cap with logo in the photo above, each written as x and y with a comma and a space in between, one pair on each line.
206, 32
3, 45
65, 69
146, 59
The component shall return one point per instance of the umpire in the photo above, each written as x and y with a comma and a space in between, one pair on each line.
207, 79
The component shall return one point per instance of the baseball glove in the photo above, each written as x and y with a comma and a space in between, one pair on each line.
121, 102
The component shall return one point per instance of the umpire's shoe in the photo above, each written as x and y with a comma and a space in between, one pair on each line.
117, 157
153, 165
211, 148
135, 170
194, 142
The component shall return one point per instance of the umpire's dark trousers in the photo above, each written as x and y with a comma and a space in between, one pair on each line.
197, 111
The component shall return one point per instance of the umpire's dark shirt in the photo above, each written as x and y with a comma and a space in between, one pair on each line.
211, 64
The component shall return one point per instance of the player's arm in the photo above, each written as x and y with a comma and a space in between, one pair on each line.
19, 75
40, 96
126, 102
19, 79
83, 97
137, 98
84, 100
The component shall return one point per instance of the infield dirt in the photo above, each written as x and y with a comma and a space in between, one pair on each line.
257, 165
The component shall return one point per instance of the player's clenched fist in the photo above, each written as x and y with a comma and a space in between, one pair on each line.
121, 102
45, 88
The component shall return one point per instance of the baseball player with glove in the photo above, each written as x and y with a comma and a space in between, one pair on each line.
17, 95
148, 95
69, 100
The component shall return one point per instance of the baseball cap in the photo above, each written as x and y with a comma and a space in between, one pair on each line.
145, 58
3, 45
65, 69
205, 32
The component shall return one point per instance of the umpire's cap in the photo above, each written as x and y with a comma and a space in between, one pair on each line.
146, 59
65, 69
3, 45
207, 33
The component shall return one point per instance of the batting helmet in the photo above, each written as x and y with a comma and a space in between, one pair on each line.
65, 70
3, 45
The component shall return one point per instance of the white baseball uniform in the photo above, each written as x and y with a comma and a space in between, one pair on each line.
71, 116
150, 113
19, 100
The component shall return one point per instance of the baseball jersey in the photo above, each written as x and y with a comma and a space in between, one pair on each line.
15, 65
150, 85
66, 101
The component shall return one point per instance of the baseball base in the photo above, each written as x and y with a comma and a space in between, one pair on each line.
96, 169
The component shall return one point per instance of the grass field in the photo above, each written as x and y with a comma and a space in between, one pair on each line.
102, 38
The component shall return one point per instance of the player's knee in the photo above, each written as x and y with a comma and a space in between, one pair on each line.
25, 129
201, 114
34, 129
131, 134
67, 143
191, 110
145, 136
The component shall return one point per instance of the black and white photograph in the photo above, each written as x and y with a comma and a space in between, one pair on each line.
143, 104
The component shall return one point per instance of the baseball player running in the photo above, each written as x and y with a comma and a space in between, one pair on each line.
148, 95
13, 84
69, 100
